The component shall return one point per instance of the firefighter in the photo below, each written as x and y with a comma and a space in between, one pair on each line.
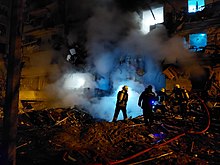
145, 101
181, 98
162, 98
121, 104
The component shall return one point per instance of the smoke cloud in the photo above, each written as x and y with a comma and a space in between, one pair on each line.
118, 54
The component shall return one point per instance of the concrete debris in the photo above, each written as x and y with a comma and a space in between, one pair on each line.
72, 136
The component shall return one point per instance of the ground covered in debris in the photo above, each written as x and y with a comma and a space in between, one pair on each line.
71, 136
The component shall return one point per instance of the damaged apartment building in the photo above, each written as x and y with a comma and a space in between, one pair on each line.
197, 22
76, 53
47, 27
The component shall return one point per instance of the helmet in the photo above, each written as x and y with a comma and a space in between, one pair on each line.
162, 90
149, 87
177, 85
125, 87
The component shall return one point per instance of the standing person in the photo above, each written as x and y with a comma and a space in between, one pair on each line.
145, 102
162, 98
181, 98
121, 104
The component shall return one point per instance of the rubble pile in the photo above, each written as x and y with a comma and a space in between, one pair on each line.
71, 136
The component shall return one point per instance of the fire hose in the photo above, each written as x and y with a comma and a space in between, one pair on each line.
168, 141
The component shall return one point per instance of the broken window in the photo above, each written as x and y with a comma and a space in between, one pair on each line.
197, 41
195, 5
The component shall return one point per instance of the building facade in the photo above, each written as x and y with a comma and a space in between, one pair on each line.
44, 42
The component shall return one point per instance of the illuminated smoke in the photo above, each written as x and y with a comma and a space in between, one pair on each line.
117, 49
77, 80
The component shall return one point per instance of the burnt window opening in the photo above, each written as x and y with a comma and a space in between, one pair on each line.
2, 48
2, 30
4, 10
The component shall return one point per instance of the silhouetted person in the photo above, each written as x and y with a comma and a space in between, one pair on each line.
180, 98
145, 102
121, 104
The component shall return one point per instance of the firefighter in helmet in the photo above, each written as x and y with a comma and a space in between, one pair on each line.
121, 104
181, 98
162, 98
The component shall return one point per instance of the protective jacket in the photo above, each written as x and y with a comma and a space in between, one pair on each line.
162, 97
180, 95
146, 98
122, 98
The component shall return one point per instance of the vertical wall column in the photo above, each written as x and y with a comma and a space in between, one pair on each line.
8, 151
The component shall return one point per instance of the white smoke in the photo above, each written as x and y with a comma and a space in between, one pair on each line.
114, 42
